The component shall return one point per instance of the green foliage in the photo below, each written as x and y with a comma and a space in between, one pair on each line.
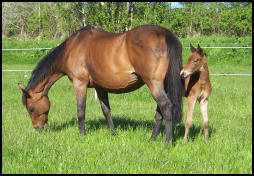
60, 19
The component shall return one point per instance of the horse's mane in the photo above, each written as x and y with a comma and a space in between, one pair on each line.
47, 64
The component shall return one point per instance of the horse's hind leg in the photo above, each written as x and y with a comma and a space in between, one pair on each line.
165, 105
103, 97
204, 111
191, 103
158, 123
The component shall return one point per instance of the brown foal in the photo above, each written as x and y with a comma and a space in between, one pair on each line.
197, 88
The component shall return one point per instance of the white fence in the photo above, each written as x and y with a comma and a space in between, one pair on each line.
215, 74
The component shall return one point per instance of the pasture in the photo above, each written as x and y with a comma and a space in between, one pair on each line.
62, 150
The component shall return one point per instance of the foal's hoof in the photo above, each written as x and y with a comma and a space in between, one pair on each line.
206, 139
185, 141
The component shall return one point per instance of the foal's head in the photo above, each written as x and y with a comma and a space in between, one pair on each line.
37, 106
195, 62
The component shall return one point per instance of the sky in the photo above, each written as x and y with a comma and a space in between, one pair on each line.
176, 5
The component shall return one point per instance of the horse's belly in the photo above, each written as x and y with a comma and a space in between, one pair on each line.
121, 82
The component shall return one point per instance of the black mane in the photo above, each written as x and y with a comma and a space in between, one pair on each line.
47, 64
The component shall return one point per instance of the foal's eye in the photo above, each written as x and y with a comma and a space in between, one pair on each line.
196, 61
31, 109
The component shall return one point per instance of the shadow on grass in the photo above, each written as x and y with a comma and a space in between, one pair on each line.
57, 126
126, 123
123, 123
179, 131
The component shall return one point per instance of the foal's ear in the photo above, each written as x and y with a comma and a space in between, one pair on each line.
198, 48
200, 51
23, 88
192, 48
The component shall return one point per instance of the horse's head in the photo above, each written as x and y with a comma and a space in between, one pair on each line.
194, 63
37, 105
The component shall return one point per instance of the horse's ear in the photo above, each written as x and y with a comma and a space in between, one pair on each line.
192, 48
23, 88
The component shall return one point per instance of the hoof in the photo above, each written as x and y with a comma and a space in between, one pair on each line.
185, 141
206, 139
152, 139
169, 143
81, 134
113, 132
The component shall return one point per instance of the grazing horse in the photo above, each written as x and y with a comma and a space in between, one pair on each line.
197, 87
111, 63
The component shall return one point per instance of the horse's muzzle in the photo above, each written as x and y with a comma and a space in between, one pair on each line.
41, 128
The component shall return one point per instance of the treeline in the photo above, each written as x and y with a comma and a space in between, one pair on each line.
51, 20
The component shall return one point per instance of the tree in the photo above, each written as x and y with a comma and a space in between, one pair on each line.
60, 19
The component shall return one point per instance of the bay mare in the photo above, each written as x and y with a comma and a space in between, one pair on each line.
111, 63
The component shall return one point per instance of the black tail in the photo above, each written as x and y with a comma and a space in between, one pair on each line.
173, 84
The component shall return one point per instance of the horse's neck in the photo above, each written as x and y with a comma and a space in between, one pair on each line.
44, 86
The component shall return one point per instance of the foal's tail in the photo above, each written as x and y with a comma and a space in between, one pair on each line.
173, 82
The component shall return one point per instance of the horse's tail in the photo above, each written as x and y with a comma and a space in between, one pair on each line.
173, 82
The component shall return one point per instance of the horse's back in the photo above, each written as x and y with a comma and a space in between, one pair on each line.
119, 62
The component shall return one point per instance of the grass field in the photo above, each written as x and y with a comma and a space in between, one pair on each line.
62, 150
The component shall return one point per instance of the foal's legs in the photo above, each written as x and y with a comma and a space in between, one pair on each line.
191, 104
158, 122
103, 97
165, 105
204, 111
80, 89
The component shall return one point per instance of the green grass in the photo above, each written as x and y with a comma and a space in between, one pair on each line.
62, 150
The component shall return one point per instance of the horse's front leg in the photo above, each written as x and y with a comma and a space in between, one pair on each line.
80, 89
103, 97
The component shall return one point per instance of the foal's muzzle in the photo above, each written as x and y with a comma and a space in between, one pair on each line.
184, 74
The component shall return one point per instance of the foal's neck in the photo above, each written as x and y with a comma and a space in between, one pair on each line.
204, 74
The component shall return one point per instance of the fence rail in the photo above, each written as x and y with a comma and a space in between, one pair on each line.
18, 49
215, 74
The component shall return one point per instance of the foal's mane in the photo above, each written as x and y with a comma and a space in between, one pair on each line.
47, 64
